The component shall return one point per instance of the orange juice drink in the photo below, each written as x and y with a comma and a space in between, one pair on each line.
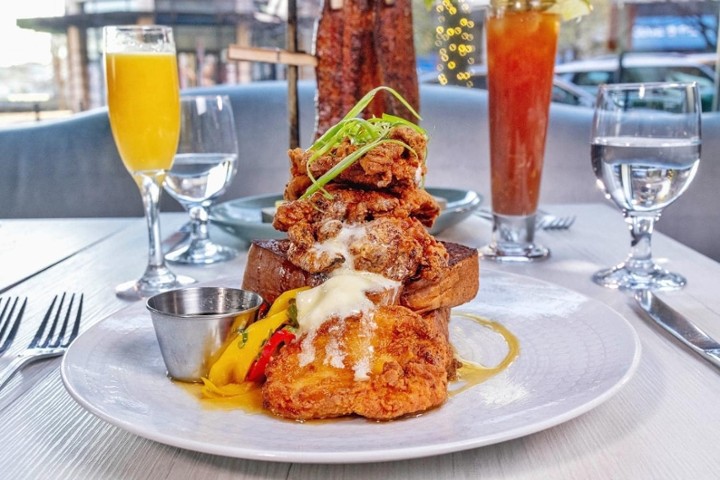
144, 105
521, 49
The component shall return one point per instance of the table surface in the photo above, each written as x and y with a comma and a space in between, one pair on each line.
662, 424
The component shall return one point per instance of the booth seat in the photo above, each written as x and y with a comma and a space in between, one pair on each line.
70, 167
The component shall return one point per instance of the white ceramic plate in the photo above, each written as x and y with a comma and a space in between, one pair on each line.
575, 354
243, 217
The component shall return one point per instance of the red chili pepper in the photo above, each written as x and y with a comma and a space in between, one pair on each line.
257, 369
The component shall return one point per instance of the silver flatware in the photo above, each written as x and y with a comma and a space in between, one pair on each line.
552, 222
544, 221
10, 321
679, 326
59, 327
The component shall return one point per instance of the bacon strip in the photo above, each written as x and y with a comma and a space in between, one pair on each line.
365, 44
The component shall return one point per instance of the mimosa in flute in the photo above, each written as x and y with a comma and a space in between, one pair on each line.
144, 108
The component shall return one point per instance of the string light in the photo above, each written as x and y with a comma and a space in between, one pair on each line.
454, 41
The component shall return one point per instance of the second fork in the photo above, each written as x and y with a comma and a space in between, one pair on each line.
10, 321
52, 338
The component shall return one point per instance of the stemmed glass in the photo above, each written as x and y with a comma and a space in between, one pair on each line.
144, 108
205, 164
645, 153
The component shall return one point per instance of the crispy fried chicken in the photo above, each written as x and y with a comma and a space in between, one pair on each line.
390, 166
385, 361
378, 231
393, 364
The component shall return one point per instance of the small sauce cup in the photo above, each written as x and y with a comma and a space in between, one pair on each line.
191, 325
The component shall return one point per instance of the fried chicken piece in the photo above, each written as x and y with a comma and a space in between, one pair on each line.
382, 232
353, 205
397, 248
394, 364
389, 166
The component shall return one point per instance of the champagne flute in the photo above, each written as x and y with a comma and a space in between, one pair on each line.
205, 164
144, 108
645, 152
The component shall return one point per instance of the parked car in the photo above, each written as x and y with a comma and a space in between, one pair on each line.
589, 74
563, 91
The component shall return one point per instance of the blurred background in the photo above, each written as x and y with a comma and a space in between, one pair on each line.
51, 60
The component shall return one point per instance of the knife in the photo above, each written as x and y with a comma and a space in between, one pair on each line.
679, 326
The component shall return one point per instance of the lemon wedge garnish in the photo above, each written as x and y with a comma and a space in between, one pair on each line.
569, 9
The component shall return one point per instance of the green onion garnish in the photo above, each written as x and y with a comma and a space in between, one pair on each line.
366, 134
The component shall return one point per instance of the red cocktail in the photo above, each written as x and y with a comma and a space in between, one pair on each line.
521, 46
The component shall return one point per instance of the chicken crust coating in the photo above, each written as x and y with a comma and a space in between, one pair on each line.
397, 248
355, 206
405, 356
389, 166
389, 235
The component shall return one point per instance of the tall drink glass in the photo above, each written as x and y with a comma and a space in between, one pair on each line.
144, 105
521, 45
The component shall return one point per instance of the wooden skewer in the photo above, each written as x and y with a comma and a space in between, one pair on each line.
271, 55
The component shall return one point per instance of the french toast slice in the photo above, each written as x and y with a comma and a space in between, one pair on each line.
270, 273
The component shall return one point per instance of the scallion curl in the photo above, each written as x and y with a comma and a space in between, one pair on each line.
366, 134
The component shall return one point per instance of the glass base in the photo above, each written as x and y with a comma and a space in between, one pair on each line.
513, 240
146, 288
622, 278
516, 254
201, 253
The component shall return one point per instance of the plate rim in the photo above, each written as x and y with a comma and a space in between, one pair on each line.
365, 456
461, 210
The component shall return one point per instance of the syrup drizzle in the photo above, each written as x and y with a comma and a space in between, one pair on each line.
471, 373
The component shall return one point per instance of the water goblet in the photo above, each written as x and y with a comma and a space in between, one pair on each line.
205, 164
144, 107
645, 153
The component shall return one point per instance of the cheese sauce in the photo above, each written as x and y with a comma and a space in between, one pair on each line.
340, 244
342, 295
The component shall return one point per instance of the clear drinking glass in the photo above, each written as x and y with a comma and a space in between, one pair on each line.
521, 45
205, 164
144, 107
645, 152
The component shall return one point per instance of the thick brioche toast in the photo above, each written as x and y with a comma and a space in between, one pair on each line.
270, 273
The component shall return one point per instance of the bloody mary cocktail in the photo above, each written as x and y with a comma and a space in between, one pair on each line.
521, 48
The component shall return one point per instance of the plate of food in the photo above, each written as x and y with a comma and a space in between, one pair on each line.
378, 344
574, 354
250, 218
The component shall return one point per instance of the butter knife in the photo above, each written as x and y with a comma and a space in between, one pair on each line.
679, 326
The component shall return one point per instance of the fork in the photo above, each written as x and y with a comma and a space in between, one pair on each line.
7, 321
52, 337
544, 221
551, 222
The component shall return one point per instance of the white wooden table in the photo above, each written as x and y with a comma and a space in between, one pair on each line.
665, 423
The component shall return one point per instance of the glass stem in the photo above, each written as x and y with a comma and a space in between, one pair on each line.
199, 217
150, 190
640, 259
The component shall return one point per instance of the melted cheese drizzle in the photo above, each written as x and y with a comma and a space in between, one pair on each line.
342, 295
340, 244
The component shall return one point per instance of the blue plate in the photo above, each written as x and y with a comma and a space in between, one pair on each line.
243, 217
